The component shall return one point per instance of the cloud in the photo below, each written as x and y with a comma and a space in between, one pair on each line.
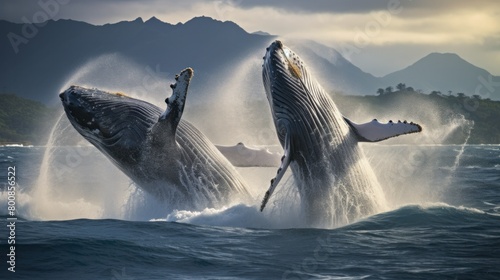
318, 6
412, 7
450, 25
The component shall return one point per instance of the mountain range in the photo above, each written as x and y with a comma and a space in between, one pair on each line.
145, 55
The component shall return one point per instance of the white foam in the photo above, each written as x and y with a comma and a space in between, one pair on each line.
239, 215
235, 216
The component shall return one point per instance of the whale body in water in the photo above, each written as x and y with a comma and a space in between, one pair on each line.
335, 181
164, 155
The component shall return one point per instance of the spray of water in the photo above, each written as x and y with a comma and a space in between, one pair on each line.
462, 147
115, 73
416, 169
239, 112
77, 181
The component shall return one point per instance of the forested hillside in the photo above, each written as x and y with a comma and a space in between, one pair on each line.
24, 121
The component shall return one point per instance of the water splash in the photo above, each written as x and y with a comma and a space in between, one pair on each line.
64, 189
115, 73
462, 146
419, 173
59, 192
238, 112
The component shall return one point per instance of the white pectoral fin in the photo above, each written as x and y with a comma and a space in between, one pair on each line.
285, 162
374, 131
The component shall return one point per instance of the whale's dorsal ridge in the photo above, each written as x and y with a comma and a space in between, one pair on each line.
375, 131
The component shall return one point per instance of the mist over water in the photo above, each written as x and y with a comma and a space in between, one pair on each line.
79, 182
226, 111
115, 73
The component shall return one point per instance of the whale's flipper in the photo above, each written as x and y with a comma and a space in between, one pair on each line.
285, 162
374, 131
169, 120
176, 102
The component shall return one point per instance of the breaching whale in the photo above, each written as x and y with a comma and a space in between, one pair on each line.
335, 182
164, 155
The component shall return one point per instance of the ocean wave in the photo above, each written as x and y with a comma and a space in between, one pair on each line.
431, 215
239, 215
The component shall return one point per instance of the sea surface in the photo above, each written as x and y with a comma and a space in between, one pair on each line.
443, 222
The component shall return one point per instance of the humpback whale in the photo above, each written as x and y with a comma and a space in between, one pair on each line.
335, 182
164, 155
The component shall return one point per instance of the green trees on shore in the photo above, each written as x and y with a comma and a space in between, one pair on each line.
483, 112
24, 121
401, 87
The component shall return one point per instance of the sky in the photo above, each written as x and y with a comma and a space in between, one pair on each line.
379, 36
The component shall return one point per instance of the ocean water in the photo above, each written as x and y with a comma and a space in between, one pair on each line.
82, 219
